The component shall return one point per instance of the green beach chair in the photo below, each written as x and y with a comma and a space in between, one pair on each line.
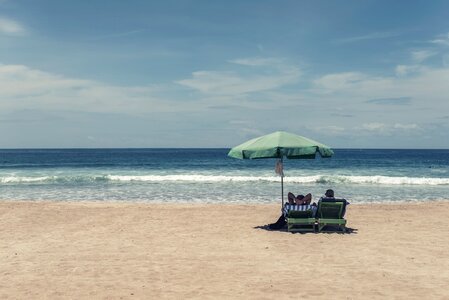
301, 221
330, 214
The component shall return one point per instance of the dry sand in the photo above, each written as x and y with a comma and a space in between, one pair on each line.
57, 250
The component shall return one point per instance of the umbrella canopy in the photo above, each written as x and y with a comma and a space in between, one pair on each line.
278, 145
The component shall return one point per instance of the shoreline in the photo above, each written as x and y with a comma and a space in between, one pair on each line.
200, 202
113, 250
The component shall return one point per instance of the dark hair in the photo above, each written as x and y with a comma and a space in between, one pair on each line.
300, 197
329, 193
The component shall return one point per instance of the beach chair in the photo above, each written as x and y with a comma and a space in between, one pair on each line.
330, 215
301, 221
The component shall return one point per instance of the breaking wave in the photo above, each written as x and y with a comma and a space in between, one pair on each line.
322, 179
315, 179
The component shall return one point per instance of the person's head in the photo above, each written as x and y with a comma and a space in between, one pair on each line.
329, 193
299, 199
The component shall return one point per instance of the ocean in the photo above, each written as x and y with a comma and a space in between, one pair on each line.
209, 176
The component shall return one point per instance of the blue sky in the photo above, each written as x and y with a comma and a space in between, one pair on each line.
350, 74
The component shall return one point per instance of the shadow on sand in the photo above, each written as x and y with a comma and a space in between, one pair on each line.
328, 230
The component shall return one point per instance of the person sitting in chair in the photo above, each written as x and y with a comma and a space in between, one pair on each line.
303, 200
329, 193
299, 200
293, 203
329, 197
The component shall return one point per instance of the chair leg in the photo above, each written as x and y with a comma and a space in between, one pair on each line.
321, 226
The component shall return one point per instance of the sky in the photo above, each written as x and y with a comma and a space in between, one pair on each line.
126, 74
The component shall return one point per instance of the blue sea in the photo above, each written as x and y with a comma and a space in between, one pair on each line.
209, 176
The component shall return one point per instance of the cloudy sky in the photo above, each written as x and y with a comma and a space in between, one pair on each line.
350, 74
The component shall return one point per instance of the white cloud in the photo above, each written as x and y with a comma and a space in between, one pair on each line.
442, 40
390, 101
330, 129
335, 105
240, 122
377, 128
404, 70
262, 75
257, 61
233, 83
11, 27
339, 81
369, 36
406, 126
426, 84
446, 60
374, 127
353, 93
24, 88
421, 55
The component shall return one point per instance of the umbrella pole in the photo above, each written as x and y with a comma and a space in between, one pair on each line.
282, 183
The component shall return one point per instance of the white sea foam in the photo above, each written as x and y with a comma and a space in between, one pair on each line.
319, 179
389, 180
378, 180
192, 178
20, 179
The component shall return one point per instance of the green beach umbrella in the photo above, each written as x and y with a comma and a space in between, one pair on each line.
280, 144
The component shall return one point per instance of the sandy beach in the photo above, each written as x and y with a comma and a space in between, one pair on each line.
98, 250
